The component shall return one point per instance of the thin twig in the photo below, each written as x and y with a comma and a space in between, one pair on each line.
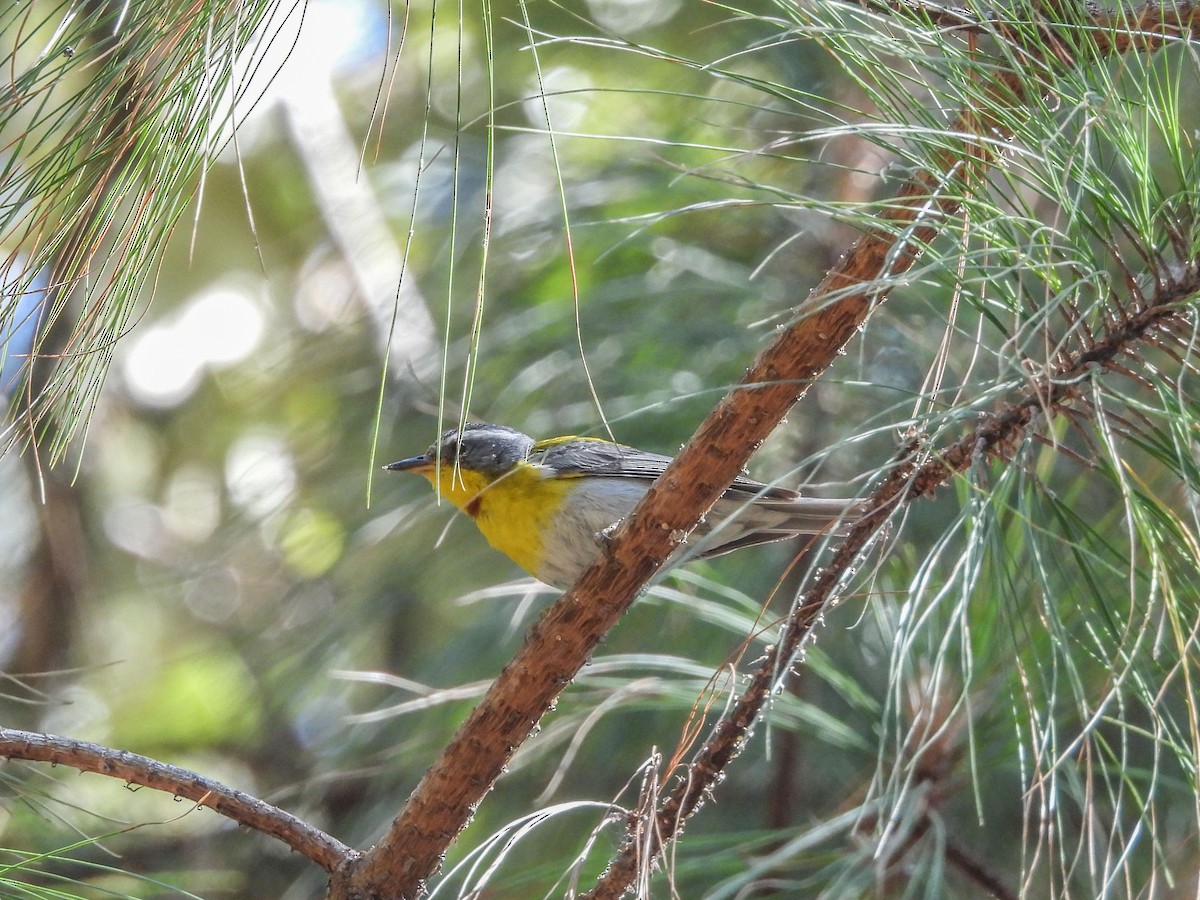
325, 851
1121, 30
973, 869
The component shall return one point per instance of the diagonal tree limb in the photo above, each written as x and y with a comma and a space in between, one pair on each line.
325, 851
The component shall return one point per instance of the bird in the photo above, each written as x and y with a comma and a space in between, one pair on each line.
548, 504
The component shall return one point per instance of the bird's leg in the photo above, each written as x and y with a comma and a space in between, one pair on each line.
605, 538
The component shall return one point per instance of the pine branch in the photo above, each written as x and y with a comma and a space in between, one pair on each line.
919, 473
310, 842
106, 138
1122, 30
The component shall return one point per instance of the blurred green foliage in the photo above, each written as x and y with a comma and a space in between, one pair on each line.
238, 567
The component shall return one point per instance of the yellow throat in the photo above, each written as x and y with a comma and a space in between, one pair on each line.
512, 511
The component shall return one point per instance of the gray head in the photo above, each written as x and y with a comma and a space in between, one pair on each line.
480, 447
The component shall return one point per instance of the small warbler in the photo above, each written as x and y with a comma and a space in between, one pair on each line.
546, 504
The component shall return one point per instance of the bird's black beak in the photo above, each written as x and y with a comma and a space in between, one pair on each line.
412, 464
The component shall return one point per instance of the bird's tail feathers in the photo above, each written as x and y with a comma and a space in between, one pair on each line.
768, 519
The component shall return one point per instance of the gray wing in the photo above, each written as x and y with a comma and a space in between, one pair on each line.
733, 523
592, 456
748, 513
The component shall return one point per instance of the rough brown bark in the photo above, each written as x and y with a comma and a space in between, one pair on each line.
325, 851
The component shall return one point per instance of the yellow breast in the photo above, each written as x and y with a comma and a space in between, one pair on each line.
512, 511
